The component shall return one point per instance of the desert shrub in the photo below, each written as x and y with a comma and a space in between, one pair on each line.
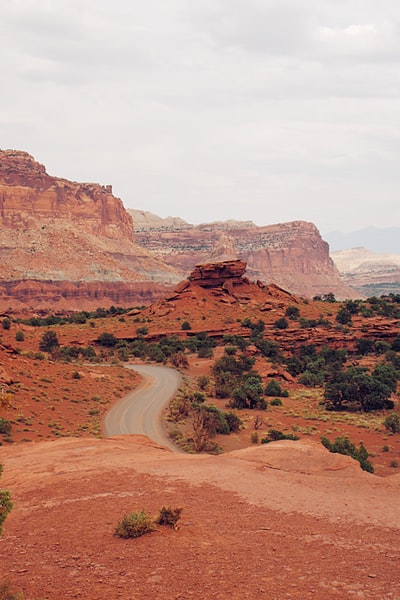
281, 323
134, 525
229, 373
179, 360
310, 379
234, 422
203, 381
186, 326
292, 312
48, 341
274, 389
230, 350
19, 336
5, 426
236, 340
342, 445
205, 352
343, 316
269, 349
276, 402
307, 323
249, 393
275, 435
394, 464
6, 323
5, 504
106, 339
392, 423
381, 347
355, 388
169, 516
364, 346
143, 330
396, 344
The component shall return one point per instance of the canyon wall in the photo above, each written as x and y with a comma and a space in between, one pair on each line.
292, 255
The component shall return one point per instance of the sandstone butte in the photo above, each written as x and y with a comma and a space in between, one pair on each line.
67, 245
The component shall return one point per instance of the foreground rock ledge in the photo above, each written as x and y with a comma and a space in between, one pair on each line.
285, 520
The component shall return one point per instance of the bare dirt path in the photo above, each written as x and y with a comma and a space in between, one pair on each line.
140, 411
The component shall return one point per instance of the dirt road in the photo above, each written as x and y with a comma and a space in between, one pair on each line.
140, 411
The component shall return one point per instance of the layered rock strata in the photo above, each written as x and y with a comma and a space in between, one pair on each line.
69, 245
292, 255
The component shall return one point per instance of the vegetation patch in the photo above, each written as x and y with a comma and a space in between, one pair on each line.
342, 445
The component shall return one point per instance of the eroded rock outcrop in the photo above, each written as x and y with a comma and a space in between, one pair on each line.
225, 274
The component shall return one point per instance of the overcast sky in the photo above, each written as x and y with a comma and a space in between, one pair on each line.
268, 110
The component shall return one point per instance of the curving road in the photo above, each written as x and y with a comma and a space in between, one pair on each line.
140, 411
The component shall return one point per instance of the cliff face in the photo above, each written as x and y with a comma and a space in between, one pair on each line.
29, 195
292, 255
64, 243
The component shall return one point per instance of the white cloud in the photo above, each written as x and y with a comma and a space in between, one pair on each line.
260, 110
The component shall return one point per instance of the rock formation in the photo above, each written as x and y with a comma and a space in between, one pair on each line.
65, 244
292, 255
225, 274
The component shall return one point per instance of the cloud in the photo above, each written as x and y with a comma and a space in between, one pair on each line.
215, 109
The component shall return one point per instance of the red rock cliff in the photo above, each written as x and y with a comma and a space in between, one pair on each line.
29, 197
68, 244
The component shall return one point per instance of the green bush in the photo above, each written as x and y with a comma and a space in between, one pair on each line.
281, 323
392, 423
5, 427
19, 336
142, 330
186, 326
48, 341
274, 389
169, 516
292, 312
5, 504
276, 402
275, 435
134, 525
342, 445
107, 340
6, 323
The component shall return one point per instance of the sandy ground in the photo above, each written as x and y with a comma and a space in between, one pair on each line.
284, 520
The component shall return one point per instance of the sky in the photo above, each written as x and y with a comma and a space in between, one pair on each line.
262, 110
